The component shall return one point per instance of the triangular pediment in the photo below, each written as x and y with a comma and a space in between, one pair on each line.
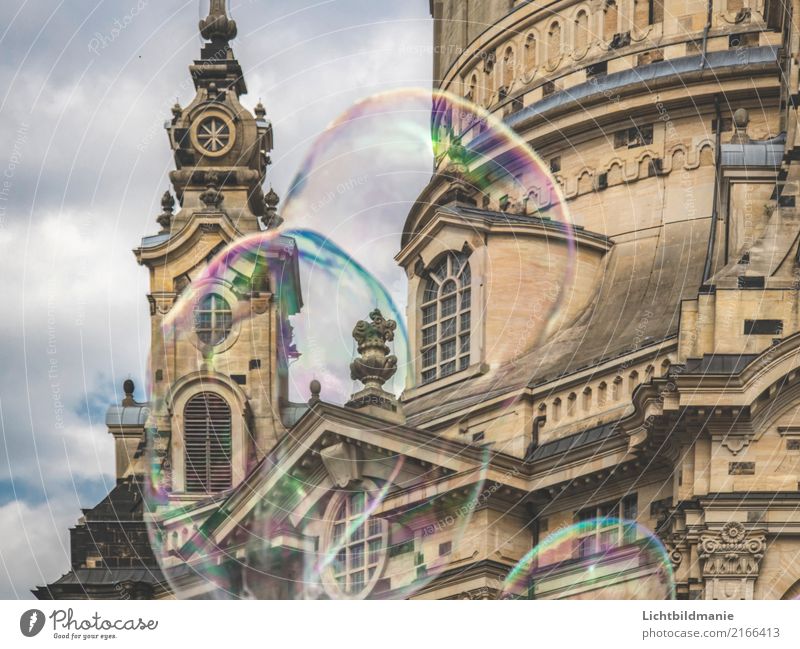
332, 448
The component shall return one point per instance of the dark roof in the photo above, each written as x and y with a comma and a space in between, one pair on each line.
573, 442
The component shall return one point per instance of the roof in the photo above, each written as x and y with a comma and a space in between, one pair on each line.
647, 74
127, 415
572, 442
636, 307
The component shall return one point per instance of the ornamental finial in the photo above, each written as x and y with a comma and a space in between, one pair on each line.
217, 26
375, 366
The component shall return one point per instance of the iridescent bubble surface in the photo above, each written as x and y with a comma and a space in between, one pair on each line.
285, 531
597, 558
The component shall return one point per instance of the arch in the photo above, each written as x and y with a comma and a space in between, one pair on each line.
445, 317
616, 388
706, 155
633, 381
472, 88
602, 393
793, 592
508, 68
530, 52
585, 182
556, 408
587, 399
582, 35
572, 399
649, 373
678, 157
208, 443
665, 365
610, 20
554, 41
222, 386
615, 174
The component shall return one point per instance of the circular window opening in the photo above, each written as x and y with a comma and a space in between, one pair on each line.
213, 134
212, 319
356, 547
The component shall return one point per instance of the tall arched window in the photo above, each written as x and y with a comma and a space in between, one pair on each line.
581, 30
509, 63
357, 544
207, 440
554, 41
472, 91
446, 318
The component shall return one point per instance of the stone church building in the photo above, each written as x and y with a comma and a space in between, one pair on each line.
666, 396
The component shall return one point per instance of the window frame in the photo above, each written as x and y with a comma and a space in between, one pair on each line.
217, 476
620, 516
445, 331
353, 522
214, 313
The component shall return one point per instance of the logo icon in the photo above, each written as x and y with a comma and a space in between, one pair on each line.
31, 622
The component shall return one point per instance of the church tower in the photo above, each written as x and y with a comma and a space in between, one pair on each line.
218, 373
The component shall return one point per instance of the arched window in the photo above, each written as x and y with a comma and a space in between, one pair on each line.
572, 398
207, 440
616, 389
581, 30
212, 319
602, 393
557, 409
357, 545
633, 381
509, 64
587, 399
610, 20
446, 318
530, 53
472, 91
665, 367
554, 41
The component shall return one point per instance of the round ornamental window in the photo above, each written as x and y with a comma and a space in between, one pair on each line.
213, 319
355, 546
213, 134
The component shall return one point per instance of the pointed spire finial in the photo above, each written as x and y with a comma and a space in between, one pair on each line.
217, 26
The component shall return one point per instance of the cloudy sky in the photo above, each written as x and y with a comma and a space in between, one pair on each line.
84, 161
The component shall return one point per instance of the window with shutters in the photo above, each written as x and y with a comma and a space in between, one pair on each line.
207, 440
446, 318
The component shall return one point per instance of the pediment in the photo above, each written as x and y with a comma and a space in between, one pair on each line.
331, 449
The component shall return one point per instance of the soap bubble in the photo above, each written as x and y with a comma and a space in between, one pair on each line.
597, 558
336, 517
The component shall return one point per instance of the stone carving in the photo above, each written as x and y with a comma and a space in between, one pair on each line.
217, 26
212, 197
271, 220
375, 365
168, 207
731, 560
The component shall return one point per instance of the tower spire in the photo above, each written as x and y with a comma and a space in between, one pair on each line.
217, 27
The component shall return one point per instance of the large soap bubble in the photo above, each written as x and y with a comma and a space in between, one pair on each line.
277, 529
596, 558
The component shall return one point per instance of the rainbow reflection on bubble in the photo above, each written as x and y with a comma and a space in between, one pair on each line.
305, 536
599, 558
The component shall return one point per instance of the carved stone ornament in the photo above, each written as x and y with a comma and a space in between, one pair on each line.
167, 207
341, 462
375, 365
212, 197
217, 26
731, 560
